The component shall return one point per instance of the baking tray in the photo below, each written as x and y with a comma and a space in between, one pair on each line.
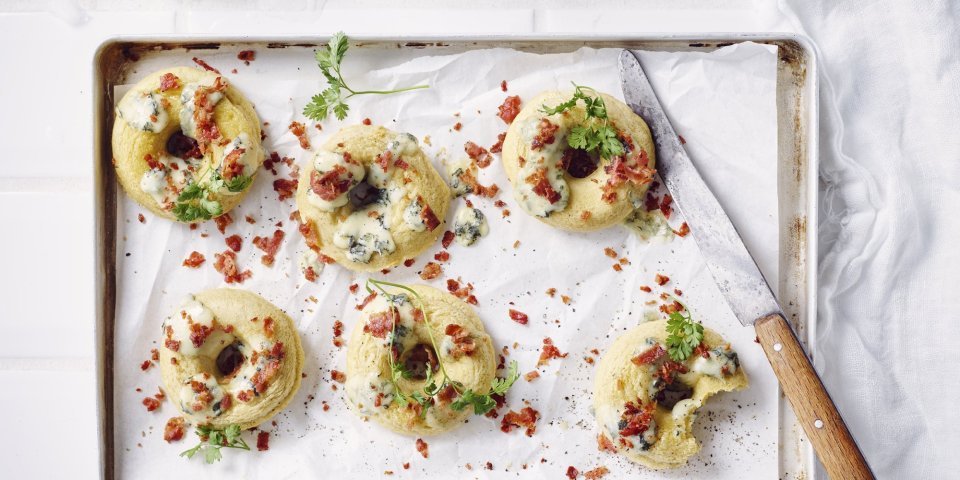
797, 122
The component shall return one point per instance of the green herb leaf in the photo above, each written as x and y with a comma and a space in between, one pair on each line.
596, 135
684, 336
212, 440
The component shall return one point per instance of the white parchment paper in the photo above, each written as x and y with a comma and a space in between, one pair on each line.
723, 103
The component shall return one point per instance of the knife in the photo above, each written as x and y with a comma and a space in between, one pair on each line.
742, 284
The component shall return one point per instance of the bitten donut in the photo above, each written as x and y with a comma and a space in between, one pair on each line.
230, 357
570, 188
186, 144
645, 403
395, 326
371, 199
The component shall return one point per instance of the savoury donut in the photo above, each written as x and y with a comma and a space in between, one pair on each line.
569, 188
371, 199
645, 403
230, 357
183, 127
464, 348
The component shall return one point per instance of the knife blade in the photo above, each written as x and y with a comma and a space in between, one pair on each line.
742, 284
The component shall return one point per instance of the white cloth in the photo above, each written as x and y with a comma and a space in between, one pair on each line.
888, 261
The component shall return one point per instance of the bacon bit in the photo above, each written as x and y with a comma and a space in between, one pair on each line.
605, 445
637, 418
651, 202
617, 267
596, 473
269, 245
565, 299
245, 395
173, 431
402, 165
572, 473
338, 376
268, 326
464, 293
431, 270
589, 360
368, 299
194, 260
429, 218
226, 263
509, 109
169, 81
684, 230
409, 262
644, 288
448, 237
526, 418
531, 376
145, 365
337, 333
468, 178
247, 56
205, 65
263, 441
519, 317
610, 252
406, 466
585, 215
661, 279
442, 256
682, 140
551, 292
461, 339
503, 85
542, 186
665, 205
223, 221
478, 154
678, 292
299, 130
545, 134
498, 147
286, 188
234, 242
261, 379
549, 352
422, 447
154, 354
637, 171
366, 121
151, 403
380, 323
331, 184
649, 356
702, 350
457, 126
353, 288
669, 369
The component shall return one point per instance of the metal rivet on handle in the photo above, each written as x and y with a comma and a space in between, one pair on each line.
818, 423
777, 347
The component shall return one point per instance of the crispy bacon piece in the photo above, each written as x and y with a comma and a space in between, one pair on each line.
268, 326
261, 379
381, 323
367, 300
247, 56
173, 430
226, 263
702, 349
665, 205
503, 85
384, 159
338, 376
549, 352
542, 186
610, 252
661, 279
509, 109
525, 418
205, 65
498, 147
169, 81
198, 333
269, 245
429, 218
337, 333
478, 154
649, 356
604, 444
546, 134
572, 472
431, 270
457, 126
223, 221
464, 293
468, 178
245, 395
329, 185
645, 288
669, 369
448, 237
519, 317
285, 188
423, 448
263, 441
151, 403
234, 242
684, 230
442, 256
299, 130
206, 128
637, 170
194, 260
637, 418
232, 166
596, 473
461, 340
531, 375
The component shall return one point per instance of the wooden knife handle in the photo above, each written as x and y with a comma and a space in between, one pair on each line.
815, 410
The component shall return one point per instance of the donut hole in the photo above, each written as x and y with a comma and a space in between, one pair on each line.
579, 163
182, 146
418, 359
364, 194
229, 359
673, 394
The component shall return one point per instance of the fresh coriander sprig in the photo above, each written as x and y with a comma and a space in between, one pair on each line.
334, 97
684, 334
596, 135
216, 439
481, 402
195, 202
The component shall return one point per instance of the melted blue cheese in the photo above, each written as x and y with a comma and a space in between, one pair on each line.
367, 231
455, 171
191, 312
188, 122
326, 161
649, 225
405, 321
242, 144
366, 392
401, 145
190, 402
411, 216
469, 225
164, 184
548, 158
310, 260
720, 362
143, 111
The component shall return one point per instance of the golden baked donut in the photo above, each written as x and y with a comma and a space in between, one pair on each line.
230, 357
569, 188
395, 325
182, 128
371, 198
645, 403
